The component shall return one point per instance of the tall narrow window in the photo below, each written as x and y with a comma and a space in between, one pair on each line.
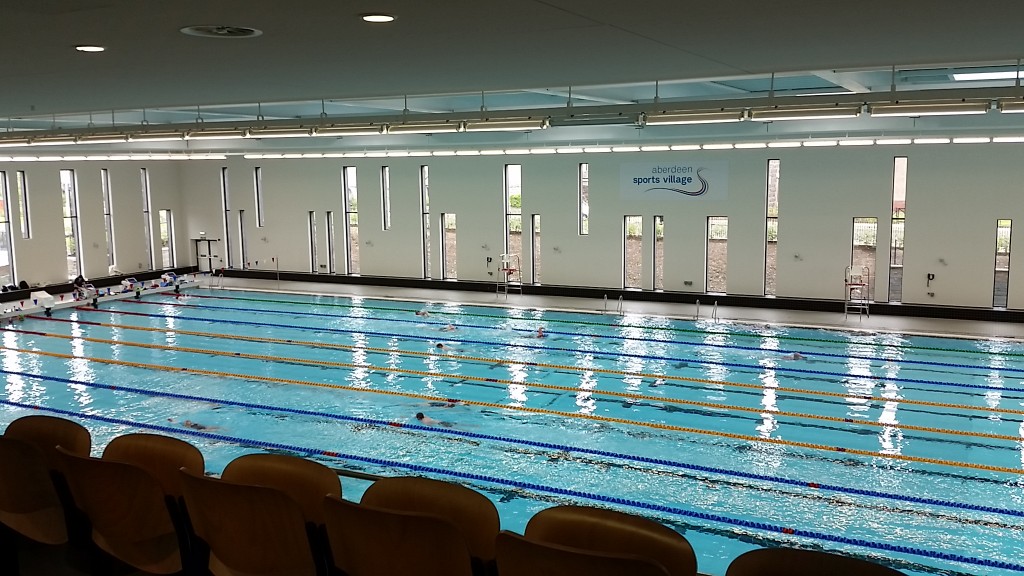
350, 197
771, 228
632, 251
514, 213
716, 259
659, 252
22, 183
108, 215
147, 227
1002, 279
899, 219
6, 248
224, 198
331, 255
167, 237
535, 250
448, 252
258, 187
865, 248
72, 239
584, 199
425, 221
385, 197
243, 243
312, 242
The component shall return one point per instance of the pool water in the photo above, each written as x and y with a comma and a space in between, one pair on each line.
902, 449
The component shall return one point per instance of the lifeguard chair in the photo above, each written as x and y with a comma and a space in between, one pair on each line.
857, 291
510, 275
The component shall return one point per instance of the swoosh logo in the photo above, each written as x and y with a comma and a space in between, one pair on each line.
703, 187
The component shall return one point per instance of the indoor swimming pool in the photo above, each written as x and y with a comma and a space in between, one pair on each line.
906, 450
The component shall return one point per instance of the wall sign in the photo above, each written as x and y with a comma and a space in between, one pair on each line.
682, 180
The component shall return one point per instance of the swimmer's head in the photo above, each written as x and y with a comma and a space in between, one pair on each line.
420, 416
439, 345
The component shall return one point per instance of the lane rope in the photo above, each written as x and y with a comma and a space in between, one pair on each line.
567, 389
1009, 371
594, 417
575, 369
391, 424
666, 328
565, 492
801, 371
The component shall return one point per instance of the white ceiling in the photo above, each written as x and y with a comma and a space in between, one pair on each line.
318, 58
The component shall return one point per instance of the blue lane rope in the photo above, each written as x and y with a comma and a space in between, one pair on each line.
546, 445
570, 350
579, 494
1006, 371
625, 325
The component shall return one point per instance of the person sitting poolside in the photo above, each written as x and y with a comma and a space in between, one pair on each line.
432, 422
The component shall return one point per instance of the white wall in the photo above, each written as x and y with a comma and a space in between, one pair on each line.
955, 194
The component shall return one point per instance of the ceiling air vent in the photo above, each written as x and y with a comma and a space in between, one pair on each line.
221, 31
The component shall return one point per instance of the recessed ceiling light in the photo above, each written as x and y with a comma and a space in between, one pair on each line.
89, 48
221, 31
378, 18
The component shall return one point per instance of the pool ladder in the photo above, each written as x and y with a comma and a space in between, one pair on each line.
618, 307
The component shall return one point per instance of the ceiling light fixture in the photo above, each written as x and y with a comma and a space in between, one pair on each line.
967, 76
89, 48
279, 133
507, 125
156, 137
367, 130
377, 18
1012, 107
937, 109
691, 118
424, 128
829, 113
216, 134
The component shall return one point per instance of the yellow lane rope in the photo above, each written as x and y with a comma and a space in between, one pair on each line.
427, 397
569, 389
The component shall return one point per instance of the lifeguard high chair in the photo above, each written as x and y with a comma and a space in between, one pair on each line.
857, 291
510, 275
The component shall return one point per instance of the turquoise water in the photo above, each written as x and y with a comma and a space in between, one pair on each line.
902, 449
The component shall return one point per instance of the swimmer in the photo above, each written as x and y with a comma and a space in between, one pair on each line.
422, 313
540, 333
195, 425
794, 356
657, 382
432, 422
450, 403
449, 328
442, 346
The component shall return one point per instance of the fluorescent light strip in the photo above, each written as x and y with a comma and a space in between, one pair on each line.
784, 144
750, 145
856, 142
693, 118
931, 140
911, 111
492, 152
805, 114
542, 151
597, 149
1008, 139
968, 76
685, 147
467, 153
717, 146
443, 153
569, 150
971, 140
516, 151
819, 143
625, 148
654, 148
893, 141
